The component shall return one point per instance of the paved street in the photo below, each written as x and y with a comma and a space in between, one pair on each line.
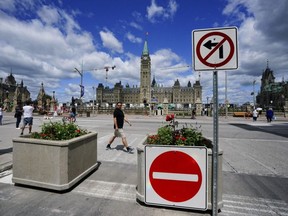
255, 170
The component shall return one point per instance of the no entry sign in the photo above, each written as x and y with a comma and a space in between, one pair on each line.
215, 49
176, 177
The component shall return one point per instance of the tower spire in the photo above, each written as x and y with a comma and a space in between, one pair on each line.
145, 48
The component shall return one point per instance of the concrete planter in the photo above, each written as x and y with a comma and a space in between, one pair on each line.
140, 191
56, 165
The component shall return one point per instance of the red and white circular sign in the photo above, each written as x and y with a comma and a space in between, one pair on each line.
177, 171
176, 176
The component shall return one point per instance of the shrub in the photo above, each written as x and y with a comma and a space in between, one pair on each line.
59, 131
186, 136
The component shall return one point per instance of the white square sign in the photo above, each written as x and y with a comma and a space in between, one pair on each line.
176, 176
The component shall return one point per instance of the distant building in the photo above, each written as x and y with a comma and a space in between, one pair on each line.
272, 94
150, 92
12, 93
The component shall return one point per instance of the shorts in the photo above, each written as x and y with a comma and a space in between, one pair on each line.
28, 120
119, 133
72, 115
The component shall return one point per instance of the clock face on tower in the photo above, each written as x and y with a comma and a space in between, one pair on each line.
145, 57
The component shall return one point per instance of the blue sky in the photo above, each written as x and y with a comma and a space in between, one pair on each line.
44, 40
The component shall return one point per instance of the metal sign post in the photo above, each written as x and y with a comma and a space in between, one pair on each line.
215, 49
215, 145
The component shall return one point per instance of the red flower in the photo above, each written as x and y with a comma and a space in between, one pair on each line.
183, 138
170, 117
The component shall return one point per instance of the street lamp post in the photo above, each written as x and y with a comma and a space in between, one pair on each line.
226, 101
94, 99
81, 82
254, 93
207, 106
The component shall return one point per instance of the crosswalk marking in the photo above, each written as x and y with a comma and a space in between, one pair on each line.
234, 205
107, 190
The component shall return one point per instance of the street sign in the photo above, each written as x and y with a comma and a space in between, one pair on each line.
176, 176
215, 49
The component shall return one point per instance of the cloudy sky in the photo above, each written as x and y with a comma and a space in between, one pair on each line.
44, 40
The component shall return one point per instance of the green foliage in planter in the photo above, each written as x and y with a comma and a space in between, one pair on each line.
193, 136
186, 136
164, 135
59, 131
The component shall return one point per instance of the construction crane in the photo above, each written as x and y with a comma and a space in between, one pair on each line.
106, 68
81, 73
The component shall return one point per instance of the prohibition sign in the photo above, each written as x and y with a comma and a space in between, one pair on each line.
204, 59
175, 176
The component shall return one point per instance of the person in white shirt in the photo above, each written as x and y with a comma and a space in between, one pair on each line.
255, 115
27, 116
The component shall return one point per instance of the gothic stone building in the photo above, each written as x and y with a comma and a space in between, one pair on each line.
12, 93
272, 94
149, 92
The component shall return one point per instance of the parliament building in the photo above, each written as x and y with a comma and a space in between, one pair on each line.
272, 94
12, 93
149, 92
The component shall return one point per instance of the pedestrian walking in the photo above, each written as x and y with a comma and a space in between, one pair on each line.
73, 114
255, 115
269, 114
1, 114
119, 119
193, 114
27, 116
18, 115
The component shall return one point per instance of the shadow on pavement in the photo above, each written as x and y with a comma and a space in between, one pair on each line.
5, 151
279, 129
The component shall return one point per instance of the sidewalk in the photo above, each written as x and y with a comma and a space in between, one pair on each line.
111, 189
8, 130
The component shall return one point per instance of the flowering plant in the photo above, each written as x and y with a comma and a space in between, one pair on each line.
59, 131
186, 136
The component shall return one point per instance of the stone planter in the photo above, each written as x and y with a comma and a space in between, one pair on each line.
140, 191
56, 165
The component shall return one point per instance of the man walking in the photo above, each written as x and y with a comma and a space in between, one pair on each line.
119, 118
18, 115
27, 116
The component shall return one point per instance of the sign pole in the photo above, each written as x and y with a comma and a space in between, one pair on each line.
215, 145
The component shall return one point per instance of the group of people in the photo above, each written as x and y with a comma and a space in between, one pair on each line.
25, 111
118, 120
269, 115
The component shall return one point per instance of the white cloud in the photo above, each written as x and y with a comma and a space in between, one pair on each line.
166, 66
157, 13
154, 10
48, 15
136, 26
111, 42
8, 5
262, 34
133, 39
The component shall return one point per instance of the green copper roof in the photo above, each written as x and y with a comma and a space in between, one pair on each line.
145, 49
